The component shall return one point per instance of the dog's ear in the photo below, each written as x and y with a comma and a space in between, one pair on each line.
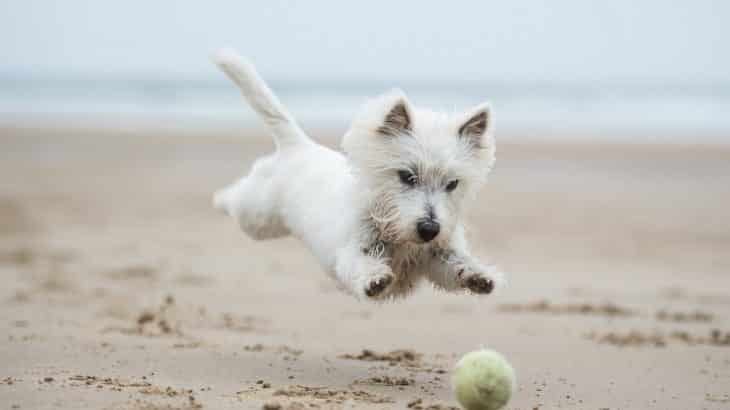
476, 126
397, 118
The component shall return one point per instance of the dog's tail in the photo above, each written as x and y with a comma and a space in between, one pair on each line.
262, 99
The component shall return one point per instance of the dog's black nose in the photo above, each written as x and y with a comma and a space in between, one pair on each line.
428, 230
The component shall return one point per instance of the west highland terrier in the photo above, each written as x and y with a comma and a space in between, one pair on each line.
384, 215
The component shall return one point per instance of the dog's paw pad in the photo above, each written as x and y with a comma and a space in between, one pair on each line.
479, 284
376, 286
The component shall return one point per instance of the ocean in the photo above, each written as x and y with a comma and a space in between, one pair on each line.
634, 111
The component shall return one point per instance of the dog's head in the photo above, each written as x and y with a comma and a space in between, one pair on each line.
417, 167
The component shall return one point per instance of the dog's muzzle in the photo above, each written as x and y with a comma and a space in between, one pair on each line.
428, 229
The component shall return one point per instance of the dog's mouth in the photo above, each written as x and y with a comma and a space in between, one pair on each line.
437, 242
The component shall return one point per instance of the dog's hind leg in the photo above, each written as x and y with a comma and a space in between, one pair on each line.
249, 209
253, 204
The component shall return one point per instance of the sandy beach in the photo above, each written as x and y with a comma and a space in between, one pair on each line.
124, 289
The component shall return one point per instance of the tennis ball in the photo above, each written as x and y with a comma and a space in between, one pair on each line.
483, 380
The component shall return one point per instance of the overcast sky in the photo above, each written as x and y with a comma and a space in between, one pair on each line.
620, 40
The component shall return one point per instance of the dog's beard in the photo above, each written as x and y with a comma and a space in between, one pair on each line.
385, 217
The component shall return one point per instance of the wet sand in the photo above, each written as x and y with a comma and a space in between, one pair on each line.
123, 289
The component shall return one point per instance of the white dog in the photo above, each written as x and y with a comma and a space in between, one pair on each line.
384, 215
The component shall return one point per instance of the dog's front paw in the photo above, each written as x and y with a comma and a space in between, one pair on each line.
481, 281
378, 284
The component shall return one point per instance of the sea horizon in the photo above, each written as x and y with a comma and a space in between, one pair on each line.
655, 111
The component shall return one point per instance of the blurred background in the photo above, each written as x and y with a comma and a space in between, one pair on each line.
608, 208
643, 70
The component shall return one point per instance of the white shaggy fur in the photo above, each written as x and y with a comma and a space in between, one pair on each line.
362, 213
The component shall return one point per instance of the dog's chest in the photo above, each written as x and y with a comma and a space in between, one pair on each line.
405, 260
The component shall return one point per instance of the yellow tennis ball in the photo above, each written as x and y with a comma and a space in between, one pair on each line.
483, 380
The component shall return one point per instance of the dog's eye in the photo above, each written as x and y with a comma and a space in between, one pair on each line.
452, 185
407, 177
